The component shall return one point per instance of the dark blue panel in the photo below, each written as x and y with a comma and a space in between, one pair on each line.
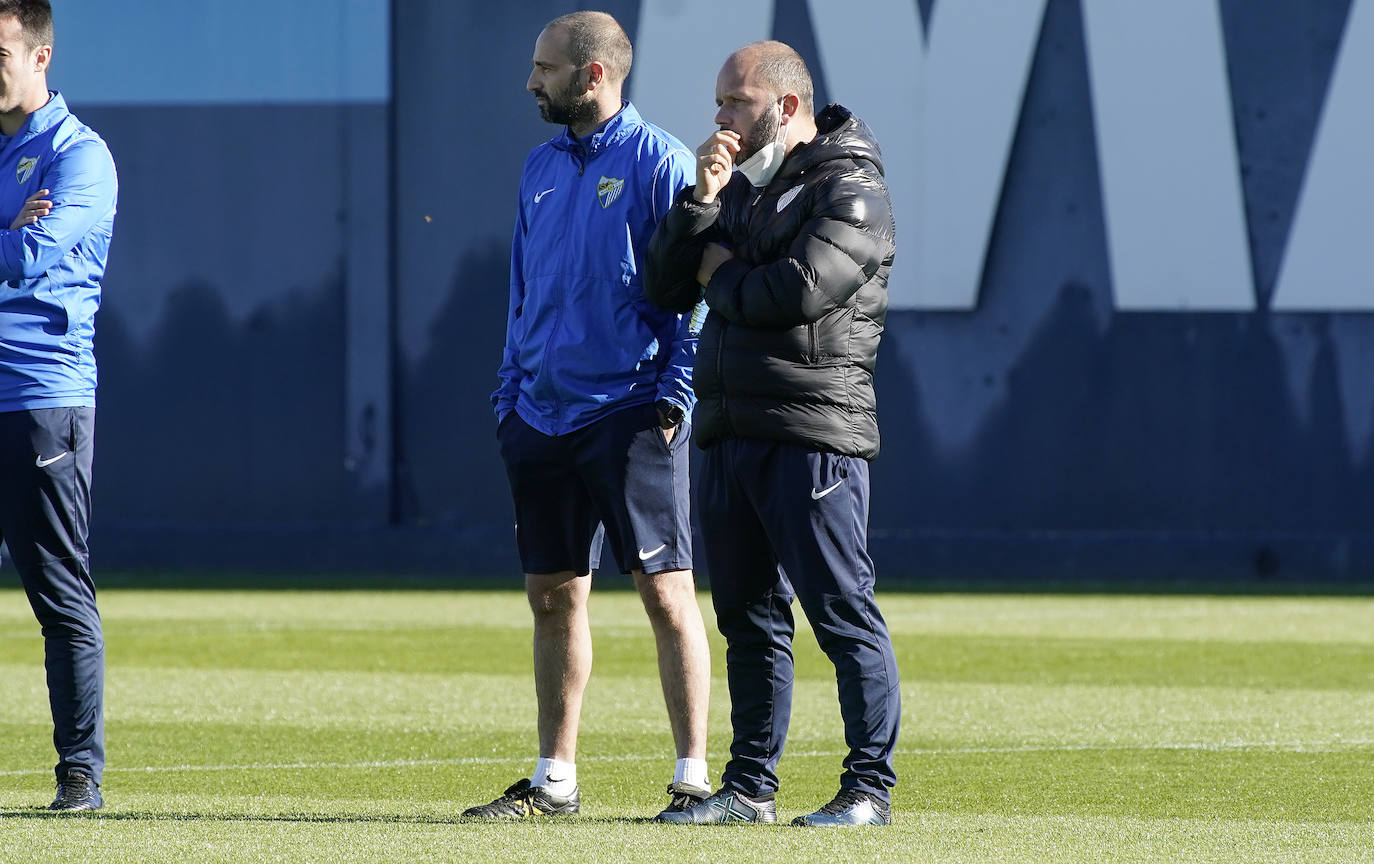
464, 126
220, 341
1279, 63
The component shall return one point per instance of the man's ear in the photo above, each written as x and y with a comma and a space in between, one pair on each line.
596, 74
791, 103
42, 56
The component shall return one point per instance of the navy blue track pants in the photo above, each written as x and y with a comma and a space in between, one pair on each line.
45, 504
779, 521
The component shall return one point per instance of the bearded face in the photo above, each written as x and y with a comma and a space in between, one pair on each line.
762, 132
566, 105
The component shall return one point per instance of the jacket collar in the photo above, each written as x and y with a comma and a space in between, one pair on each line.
610, 132
43, 119
839, 135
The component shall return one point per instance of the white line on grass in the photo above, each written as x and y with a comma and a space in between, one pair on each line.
1277, 746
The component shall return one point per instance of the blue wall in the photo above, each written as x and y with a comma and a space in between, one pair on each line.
306, 302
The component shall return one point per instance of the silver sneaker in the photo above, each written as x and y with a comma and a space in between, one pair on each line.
849, 808
727, 805
684, 796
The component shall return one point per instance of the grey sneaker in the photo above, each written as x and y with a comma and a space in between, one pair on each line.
850, 807
727, 805
684, 797
523, 801
75, 792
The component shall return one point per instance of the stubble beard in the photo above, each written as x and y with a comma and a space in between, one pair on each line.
567, 108
761, 132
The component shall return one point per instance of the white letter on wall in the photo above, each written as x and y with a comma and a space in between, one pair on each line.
944, 115
1166, 150
679, 49
1327, 263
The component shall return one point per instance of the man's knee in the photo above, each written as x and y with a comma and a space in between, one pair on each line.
667, 595
556, 596
851, 632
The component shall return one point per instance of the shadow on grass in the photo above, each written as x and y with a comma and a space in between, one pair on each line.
39, 812
1067, 585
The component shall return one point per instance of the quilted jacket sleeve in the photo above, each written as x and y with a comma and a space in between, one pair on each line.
846, 237
670, 279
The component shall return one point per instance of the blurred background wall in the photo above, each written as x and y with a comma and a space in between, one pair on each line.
1131, 338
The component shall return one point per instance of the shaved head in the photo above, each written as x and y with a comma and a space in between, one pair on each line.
596, 36
780, 69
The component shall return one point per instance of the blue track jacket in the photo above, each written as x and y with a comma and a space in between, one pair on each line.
51, 270
581, 339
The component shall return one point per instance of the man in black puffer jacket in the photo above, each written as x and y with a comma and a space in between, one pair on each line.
791, 256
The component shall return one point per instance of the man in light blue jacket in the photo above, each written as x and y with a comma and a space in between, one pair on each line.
594, 404
57, 195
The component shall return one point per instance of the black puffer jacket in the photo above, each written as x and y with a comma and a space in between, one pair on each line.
788, 349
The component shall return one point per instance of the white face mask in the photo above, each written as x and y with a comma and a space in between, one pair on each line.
763, 166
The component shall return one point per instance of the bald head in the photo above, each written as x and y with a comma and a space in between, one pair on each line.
778, 68
596, 36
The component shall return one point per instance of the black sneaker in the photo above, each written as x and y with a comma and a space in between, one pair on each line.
522, 801
850, 807
75, 792
727, 805
685, 796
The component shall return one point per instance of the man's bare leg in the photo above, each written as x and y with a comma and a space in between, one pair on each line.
562, 657
684, 656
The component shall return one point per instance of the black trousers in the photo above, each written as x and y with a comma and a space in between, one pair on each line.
778, 522
45, 505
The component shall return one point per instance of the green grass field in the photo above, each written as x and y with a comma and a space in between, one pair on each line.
333, 726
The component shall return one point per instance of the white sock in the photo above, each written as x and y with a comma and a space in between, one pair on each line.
693, 772
557, 778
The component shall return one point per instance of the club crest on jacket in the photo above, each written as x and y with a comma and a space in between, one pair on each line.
25, 169
608, 189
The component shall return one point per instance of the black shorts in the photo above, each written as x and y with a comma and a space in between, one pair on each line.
618, 471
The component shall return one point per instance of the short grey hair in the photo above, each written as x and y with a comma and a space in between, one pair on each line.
781, 69
596, 36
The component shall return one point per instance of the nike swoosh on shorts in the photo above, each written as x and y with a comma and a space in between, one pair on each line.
816, 496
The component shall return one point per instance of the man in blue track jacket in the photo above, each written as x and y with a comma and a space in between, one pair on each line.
594, 403
57, 195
